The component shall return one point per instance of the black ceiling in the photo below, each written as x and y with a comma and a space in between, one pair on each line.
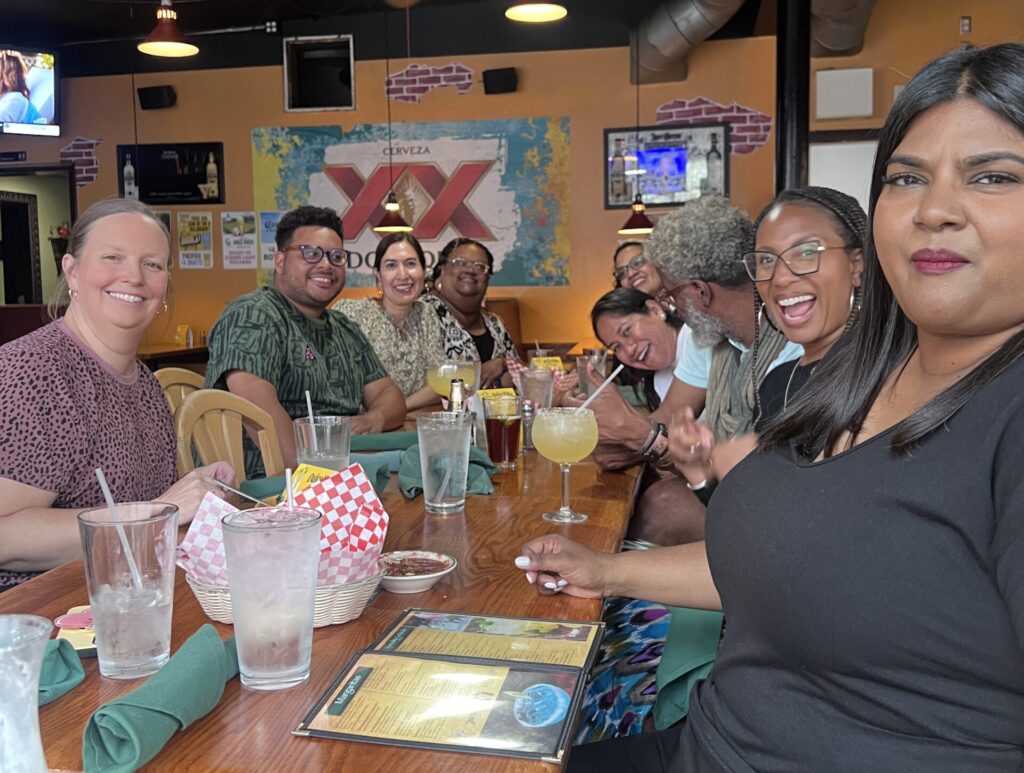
97, 37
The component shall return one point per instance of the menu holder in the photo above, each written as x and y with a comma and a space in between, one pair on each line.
505, 686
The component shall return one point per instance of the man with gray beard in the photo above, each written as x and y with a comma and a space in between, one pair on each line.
698, 250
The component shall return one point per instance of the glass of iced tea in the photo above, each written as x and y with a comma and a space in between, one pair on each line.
503, 418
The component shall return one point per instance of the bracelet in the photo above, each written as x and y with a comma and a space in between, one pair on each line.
656, 429
697, 486
656, 450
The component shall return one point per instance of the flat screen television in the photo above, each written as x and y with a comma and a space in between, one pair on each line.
29, 91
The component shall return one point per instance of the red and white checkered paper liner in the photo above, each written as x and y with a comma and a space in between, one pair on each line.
352, 531
515, 368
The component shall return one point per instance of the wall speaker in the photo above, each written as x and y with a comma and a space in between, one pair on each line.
157, 97
501, 81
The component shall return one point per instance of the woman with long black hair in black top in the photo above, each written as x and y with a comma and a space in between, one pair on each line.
870, 555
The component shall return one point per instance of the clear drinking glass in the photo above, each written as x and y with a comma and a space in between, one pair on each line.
591, 364
22, 646
129, 569
565, 436
272, 557
444, 439
503, 416
323, 441
537, 386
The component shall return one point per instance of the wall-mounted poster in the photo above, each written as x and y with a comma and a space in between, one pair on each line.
665, 164
502, 182
238, 238
268, 243
195, 240
184, 173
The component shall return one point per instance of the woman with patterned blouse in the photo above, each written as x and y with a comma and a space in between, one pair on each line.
405, 333
471, 332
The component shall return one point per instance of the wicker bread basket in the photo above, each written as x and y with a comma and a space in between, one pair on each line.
334, 603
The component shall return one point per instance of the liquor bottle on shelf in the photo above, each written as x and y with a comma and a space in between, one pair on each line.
131, 191
212, 177
716, 172
617, 175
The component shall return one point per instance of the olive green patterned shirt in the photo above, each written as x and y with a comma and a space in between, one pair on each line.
407, 351
263, 334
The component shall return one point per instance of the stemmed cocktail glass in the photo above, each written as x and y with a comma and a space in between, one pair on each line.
440, 376
565, 436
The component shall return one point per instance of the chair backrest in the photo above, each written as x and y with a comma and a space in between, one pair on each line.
212, 419
178, 383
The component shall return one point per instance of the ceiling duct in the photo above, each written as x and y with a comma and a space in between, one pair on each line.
676, 27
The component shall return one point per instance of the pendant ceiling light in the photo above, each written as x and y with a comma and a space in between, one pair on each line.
638, 223
166, 39
392, 222
536, 13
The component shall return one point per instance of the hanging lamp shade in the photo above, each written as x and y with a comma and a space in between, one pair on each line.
167, 39
392, 222
536, 13
638, 224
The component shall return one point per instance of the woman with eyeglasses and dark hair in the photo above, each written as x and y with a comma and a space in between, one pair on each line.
404, 332
869, 556
460, 281
633, 270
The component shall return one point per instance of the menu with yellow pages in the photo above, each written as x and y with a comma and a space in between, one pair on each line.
461, 682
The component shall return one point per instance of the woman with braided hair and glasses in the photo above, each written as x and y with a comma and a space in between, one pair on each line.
806, 268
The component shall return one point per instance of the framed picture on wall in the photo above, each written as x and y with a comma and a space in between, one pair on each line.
666, 164
182, 173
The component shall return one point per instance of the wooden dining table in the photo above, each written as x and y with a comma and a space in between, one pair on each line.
252, 731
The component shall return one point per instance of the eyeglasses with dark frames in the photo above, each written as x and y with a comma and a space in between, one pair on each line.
314, 253
476, 266
623, 271
803, 259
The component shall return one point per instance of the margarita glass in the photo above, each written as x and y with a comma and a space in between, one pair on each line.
565, 436
440, 376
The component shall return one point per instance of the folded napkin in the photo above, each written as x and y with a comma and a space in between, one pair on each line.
128, 732
62, 671
689, 654
410, 477
378, 469
383, 441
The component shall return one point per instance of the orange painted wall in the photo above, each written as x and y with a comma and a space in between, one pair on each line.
591, 87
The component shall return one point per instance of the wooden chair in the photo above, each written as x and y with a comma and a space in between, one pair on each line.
213, 420
178, 383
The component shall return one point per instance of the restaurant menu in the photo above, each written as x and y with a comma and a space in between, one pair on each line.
459, 682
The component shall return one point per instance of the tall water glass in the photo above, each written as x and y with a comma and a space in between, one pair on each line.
272, 556
324, 441
537, 386
22, 645
444, 439
591, 369
129, 569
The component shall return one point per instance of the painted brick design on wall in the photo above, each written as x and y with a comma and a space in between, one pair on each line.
82, 153
414, 81
748, 129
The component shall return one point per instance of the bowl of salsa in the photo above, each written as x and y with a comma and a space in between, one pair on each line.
413, 571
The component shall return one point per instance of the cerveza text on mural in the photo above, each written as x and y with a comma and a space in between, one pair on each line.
502, 182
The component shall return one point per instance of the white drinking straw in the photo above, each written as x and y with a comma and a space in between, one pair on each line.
600, 389
129, 557
288, 488
312, 424
235, 491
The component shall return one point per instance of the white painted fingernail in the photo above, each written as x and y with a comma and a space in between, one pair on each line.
562, 583
531, 578
523, 562
551, 586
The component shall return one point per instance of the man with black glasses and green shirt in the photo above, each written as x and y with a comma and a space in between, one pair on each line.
273, 344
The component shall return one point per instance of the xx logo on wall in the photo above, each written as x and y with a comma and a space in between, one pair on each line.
502, 182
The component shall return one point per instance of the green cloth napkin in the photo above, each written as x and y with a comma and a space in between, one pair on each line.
128, 732
62, 671
410, 478
378, 469
383, 441
689, 654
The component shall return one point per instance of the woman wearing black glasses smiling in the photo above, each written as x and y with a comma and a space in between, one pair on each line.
460, 277
634, 271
